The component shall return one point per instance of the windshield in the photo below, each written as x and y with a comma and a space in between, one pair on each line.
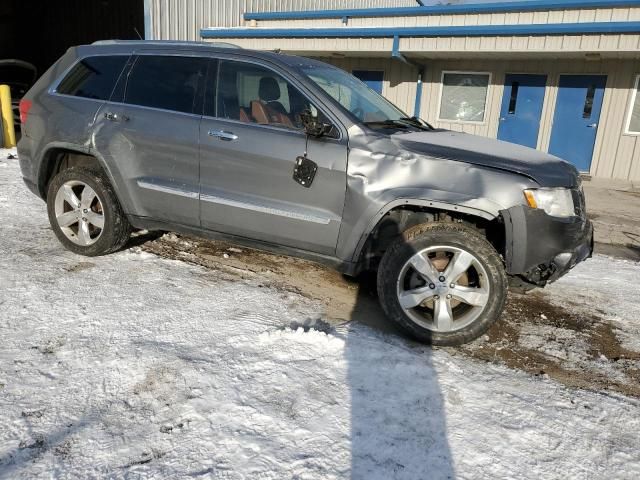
352, 94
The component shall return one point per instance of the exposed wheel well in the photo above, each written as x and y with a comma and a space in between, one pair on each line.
401, 218
58, 159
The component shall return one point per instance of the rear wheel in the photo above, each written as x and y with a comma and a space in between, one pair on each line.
85, 214
443, 283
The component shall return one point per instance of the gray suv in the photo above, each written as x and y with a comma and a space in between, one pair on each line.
294, 155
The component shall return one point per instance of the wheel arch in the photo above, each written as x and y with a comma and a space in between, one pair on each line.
61, 155
58, 156
399, 215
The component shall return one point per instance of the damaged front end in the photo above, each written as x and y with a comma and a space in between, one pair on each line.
540, 248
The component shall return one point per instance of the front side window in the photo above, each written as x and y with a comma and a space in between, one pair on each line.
633, 124
354, 95
254, 94
166, 82
93, 77
464, 96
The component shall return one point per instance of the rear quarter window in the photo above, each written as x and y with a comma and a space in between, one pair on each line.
93, 77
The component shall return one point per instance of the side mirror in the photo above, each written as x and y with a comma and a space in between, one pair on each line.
312, 126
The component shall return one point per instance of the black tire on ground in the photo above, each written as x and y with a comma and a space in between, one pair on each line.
116, 229
435, 234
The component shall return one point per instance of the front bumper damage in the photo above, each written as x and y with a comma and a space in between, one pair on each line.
540, 248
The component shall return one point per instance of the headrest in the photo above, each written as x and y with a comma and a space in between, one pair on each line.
269, 89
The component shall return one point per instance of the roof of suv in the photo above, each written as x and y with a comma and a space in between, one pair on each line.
165, 43
289, 60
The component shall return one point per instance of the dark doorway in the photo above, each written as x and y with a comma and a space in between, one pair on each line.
40, 32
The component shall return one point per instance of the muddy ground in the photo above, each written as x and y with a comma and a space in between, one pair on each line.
570, 343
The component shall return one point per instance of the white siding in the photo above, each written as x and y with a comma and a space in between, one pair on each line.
183, 19
459, 47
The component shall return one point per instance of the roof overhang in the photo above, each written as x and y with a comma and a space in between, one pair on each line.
585, 28
470, 8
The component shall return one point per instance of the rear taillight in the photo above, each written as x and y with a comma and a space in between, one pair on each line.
25, 106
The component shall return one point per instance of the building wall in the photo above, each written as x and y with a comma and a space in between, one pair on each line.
183, 19
616, 154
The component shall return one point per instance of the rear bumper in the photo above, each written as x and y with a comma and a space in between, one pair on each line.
27, 166
31, 186
541, 248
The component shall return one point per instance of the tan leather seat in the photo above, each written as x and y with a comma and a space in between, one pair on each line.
266, 115
243, 116
268, 110
259, 112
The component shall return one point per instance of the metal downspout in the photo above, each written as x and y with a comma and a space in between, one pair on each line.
395, 53
148, 33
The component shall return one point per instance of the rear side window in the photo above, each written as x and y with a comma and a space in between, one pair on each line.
93, 77
167, 82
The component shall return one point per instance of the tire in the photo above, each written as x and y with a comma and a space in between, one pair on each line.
84, 223
476, 299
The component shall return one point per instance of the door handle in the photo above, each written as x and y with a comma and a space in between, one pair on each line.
222, 135
114, 117
592, 125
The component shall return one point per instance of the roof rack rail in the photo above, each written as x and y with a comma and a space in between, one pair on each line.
166, 42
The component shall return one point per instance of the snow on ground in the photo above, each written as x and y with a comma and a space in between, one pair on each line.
609, 286
135, 366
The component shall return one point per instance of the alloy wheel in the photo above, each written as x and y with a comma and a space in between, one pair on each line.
443, 288
79, 212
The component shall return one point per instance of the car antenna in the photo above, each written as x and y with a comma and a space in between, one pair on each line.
138, 33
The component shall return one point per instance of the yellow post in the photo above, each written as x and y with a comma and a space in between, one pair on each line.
8, 129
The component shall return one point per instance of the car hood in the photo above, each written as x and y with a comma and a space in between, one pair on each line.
545, 169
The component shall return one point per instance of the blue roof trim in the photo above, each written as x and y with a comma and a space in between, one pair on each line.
461, 31
494, 7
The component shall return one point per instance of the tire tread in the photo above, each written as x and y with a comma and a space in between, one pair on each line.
464, 235
112, 239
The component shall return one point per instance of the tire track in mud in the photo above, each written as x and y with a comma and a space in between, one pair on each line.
572, 344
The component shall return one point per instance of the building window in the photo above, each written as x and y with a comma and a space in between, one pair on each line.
633, 122
464, 96
372, 78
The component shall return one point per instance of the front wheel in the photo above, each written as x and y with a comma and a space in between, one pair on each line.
443, 283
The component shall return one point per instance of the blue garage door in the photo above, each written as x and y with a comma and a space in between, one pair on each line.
521, 109
575, 122
373, 78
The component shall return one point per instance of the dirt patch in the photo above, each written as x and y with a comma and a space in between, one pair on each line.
51, 346
78, 267
338, 293
575, 347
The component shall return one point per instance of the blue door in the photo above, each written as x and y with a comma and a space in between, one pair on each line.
373, 79
575, 122
521, 109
